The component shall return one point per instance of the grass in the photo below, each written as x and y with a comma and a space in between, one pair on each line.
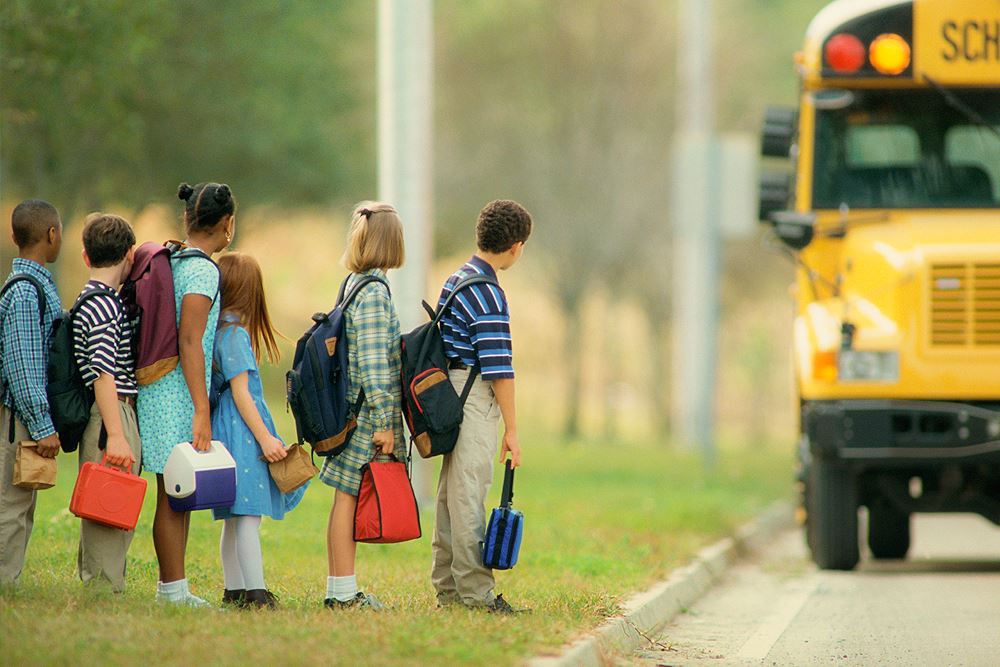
602, 521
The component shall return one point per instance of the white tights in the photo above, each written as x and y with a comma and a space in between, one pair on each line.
242, 562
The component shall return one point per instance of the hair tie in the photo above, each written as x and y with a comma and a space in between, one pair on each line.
366, 212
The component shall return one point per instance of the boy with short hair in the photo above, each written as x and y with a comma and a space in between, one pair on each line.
25, 335
102, 345
476, 332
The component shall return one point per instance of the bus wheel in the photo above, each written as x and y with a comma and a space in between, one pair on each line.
888, 530
833, 515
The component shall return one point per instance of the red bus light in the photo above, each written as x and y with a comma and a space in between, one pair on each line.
845, 53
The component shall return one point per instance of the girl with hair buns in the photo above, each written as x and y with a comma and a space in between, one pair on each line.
374, 245
175, 408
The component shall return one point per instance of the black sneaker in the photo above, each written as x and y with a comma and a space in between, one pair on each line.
361, 600
234, 597
501, 606
260, 598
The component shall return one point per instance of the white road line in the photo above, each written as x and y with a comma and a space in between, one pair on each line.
773, 626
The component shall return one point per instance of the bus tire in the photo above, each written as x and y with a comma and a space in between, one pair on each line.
833, 515
888, 531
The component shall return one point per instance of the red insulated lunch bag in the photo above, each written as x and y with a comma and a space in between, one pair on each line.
387, 509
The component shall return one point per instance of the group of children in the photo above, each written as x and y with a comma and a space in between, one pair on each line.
223, 329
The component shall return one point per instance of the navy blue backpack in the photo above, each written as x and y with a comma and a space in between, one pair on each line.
316, 387
503, 533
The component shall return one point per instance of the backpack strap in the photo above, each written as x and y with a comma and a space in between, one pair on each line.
27, 277
87, 296
439, 313
345, 300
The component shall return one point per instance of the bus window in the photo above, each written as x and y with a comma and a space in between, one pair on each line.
882, 146
907, 149
975, 149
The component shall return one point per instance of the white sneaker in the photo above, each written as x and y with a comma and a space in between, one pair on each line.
177, 592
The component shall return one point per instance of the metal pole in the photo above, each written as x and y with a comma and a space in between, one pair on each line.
405, 166
696, 236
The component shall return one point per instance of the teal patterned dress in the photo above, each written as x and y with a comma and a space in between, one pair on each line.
165, 408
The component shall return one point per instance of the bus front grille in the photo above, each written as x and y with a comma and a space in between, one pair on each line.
965, 305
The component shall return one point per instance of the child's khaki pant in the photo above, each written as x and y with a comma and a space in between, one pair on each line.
101, 555
17, 505
466, 475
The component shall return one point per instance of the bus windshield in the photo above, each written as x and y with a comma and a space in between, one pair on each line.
909, 149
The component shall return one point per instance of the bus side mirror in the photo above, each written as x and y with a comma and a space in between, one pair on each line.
775, 191
793, 228
780, 125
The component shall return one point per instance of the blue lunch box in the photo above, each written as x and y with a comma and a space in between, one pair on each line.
503, 533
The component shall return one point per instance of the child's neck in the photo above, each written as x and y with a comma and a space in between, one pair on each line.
495, 260
109, 275
35, 253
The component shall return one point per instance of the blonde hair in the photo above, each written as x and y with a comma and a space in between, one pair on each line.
375, 239
242, 286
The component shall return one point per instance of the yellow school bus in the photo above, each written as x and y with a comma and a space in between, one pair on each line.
890, 209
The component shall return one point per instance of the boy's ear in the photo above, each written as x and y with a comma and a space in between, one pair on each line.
86, 257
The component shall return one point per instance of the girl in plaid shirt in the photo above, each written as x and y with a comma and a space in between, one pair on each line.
374, 245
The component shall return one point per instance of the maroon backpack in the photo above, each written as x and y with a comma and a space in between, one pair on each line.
148, 295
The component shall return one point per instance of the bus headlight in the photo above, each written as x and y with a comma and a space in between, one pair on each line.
860, 366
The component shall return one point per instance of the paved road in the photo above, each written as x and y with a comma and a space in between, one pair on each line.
940, 607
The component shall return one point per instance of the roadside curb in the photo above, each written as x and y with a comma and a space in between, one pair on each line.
646, 613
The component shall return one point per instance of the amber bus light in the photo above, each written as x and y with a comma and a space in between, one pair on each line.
889, 54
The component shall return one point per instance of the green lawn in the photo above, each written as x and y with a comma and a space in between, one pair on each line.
602, 521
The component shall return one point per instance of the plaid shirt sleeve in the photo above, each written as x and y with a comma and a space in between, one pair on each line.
371, 322
24, 362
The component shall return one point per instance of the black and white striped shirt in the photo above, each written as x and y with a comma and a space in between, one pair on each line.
102, 339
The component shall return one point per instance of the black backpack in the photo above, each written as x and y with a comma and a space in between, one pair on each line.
432, 407
316, 387
70, 400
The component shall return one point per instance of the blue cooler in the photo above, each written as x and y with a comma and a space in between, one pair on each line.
197, 480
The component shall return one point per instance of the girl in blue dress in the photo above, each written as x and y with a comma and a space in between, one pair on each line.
174, 408
243, 423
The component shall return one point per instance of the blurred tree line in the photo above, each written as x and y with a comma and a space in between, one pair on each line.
565, 105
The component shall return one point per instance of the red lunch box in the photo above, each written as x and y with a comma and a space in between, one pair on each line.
108, 495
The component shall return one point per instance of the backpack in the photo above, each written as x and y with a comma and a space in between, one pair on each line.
70, 400
148, 295
316, 387
432, 407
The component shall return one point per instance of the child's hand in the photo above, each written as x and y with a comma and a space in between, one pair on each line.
119, 453
512, 447
48, 446
384, 441
273, 449
201, 431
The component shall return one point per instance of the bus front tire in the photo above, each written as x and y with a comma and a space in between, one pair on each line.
833, 515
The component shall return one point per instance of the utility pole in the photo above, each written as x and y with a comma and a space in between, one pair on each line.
405, 145
695, 214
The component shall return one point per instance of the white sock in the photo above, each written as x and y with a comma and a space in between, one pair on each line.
248, 551
342, 588
232, 574
172, 591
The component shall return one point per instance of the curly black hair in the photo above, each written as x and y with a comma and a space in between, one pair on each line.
502, 223
205, 204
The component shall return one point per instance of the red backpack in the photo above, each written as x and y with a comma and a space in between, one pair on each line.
148, 295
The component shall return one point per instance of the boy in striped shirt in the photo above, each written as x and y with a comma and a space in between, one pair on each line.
102, 345
476, 333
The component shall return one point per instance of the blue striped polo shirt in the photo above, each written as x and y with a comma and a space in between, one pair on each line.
476, 327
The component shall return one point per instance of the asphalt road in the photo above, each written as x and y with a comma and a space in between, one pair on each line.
939, 607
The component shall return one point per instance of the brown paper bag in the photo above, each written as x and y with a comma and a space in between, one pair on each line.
294, 470
31, 469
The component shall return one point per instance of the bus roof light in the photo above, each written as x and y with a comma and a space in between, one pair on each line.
845, 53
890, 54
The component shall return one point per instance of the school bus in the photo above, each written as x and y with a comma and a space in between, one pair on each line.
889, 205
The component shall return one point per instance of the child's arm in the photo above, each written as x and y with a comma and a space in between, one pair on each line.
371, 319
23, 361
503, 389
271, 446
194, 319
106, 395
